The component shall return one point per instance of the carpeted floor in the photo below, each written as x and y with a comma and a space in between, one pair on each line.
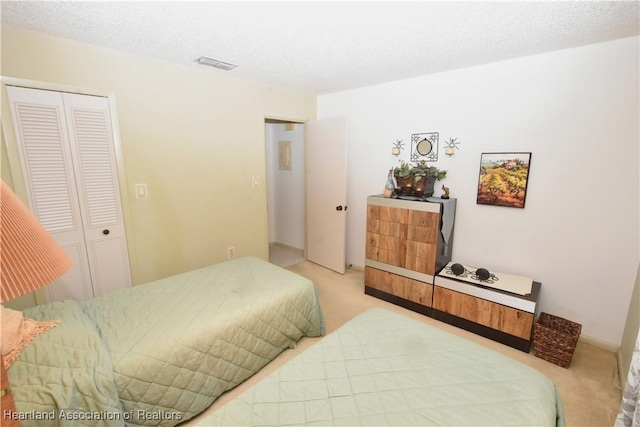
284, 255
589, 389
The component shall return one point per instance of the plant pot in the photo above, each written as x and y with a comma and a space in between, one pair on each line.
424, 187
404, 186
408, 186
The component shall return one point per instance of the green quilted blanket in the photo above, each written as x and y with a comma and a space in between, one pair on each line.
169, 348
385, 369
65, 376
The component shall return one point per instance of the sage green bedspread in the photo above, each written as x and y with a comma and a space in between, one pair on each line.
385, 369
65, 376
162, 352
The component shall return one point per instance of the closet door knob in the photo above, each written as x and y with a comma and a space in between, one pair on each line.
105, 231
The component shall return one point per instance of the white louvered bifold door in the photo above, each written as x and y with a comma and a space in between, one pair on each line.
93, 153
43, 142
49, 143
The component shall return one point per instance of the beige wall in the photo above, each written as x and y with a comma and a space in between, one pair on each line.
194, 135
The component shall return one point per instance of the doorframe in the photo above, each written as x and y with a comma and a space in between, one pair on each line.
284, 120
13, 156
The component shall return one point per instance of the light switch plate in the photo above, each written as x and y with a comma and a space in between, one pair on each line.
141, 191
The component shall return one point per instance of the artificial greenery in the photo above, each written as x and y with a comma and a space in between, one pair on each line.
418, 171
403, 171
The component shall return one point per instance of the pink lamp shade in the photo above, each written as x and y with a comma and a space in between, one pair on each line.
29, 257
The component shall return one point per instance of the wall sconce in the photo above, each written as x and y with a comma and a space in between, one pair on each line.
450, 145
398, 146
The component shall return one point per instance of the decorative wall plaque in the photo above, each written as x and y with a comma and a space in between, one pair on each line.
424, 146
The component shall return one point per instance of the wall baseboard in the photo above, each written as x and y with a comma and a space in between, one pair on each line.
282, 245
622, 376
605, 345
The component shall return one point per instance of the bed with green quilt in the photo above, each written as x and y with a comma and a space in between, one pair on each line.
386, 369
162, 352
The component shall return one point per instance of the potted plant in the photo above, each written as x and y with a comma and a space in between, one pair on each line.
425, 177
404, 179
417, 180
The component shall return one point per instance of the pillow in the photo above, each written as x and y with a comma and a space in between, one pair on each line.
18, 332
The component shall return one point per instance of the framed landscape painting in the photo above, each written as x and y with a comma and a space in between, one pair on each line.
503, 179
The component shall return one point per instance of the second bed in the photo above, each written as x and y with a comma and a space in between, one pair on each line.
386, 369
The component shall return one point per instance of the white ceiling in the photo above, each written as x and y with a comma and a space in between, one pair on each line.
324, 47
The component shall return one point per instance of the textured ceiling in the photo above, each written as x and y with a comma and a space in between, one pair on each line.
324, 47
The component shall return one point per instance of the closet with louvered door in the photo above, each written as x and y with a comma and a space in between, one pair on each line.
67, 154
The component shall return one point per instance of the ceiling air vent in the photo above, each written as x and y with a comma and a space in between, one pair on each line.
203, 60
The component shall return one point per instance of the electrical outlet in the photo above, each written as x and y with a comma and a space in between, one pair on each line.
231, 252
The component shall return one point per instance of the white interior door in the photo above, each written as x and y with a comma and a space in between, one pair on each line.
43, 141
66, 147
326, 173
93, 152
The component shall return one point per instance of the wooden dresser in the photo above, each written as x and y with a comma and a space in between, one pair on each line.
408, 242
408, 254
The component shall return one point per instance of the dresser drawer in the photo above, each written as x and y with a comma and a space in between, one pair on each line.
400, 286
490, 314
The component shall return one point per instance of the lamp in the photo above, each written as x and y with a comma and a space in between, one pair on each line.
29, 259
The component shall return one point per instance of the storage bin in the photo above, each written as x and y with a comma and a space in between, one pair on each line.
555, 339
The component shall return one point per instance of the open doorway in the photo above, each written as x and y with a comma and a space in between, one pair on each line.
285, 191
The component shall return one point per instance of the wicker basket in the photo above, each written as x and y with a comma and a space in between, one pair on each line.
555, 339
